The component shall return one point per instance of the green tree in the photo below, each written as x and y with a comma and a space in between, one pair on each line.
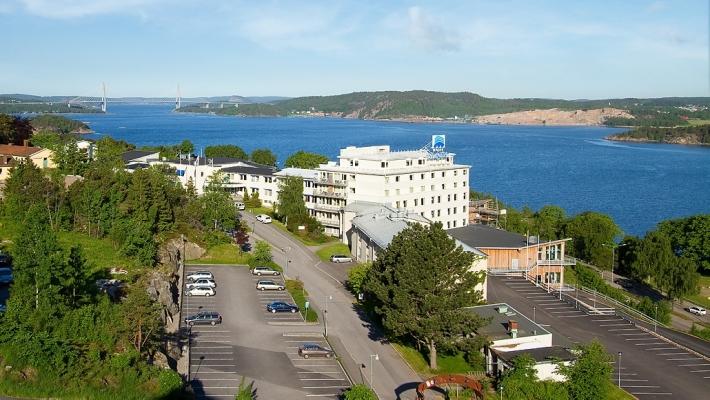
262, 254
304, 159
14, 130
679, 278
225, 150
25, 187
47, 140
521, 382
72, 275
109, 151
419, 286
142, 324
252, 201
217, 205
653, 257
356, 277
359, 392
690, 238
590, 231
549, 221
186, 147
628, 252
264, 157
290, 199
589, 377
69, 158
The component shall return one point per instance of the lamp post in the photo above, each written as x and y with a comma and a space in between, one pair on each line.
376, 357
501, 392
655, 317
534, 314
325, 315
613, 247
619, 369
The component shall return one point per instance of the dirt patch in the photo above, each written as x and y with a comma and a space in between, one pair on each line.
554, 116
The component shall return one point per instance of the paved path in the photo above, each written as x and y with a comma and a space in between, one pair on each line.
392, 378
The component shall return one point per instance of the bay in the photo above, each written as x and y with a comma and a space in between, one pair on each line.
639, 185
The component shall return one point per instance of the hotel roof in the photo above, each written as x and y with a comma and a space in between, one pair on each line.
540, 354
310, 174
484, 236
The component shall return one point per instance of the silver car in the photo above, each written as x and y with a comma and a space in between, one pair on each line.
202, 283
269, 285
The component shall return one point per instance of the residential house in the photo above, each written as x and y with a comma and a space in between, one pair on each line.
11, 154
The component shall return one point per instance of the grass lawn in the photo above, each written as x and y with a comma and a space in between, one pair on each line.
305, 240
570, 277
617, 393
222, 254
696, 122
448, 364
335, 248
100, 253
702, 297
299, 294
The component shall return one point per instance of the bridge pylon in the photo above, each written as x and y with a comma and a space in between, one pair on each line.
103, 98
178, 98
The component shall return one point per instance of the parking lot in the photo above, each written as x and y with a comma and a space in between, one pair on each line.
650, 367
255, 344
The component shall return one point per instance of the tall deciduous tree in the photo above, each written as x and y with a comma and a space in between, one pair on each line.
141, 319
679, 278
290, 199
589, 377
548, 222
263, 156
226, 150
304, 159
590, 231
521, 382
654, 255
420, 285
690, 238
217, 205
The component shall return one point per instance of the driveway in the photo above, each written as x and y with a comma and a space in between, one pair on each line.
649, 368
251, 343
392, 376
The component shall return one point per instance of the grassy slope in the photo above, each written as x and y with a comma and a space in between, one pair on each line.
335, 248
447, 363
223, 254
300, 295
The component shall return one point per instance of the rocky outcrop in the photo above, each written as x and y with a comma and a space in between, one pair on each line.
554, 116
174, 247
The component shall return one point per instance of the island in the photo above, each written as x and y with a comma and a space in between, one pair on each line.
688, 135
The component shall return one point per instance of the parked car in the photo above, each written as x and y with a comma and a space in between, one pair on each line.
201, 291
259, 271
240, 206
204, 318
280, 306
340, 258
3, 308
263, 218
5, 261
697, 310
202, 283
269, 285
199, 275
307, 350
5, 276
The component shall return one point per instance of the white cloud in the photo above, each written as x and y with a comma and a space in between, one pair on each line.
656, 6
429, 33
83, 8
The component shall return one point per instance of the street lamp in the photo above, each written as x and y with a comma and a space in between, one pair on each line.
325, 315
501, 392
376, 357
613, 247
619, 369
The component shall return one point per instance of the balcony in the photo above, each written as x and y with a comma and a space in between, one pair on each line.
326, 193
566, 261
331, 182
326, 207
329, 221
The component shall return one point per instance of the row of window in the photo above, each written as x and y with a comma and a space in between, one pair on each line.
422, 176
421, 188
452, 224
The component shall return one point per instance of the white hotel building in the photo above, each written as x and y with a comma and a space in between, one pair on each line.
420, 181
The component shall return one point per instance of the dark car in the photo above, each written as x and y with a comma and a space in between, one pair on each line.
5, 261
314, 350
280, 306
5, 276
204, 318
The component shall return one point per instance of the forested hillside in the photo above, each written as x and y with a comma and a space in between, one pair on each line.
681, 135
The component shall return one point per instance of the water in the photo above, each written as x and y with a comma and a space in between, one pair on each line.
573, 167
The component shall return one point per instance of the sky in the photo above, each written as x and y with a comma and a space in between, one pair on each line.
505, 48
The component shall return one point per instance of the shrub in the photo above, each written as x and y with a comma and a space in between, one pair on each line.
359, 392
170, 383
356, 276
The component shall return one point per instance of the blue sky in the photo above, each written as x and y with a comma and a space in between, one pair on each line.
505, 48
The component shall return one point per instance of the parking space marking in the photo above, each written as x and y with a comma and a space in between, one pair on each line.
632, 334
646, 344
694, 365
701, 370
649, 338
683, 359
572, 316
557, 308
651, 394
627, 324
670, 354
317, 372
640, 386
564, 312
324, 387
608, 320
661, 348
622, 329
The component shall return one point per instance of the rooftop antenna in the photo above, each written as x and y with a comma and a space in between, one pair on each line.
178, 98
103, 99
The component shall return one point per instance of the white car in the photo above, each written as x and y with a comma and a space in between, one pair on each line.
201, 291
340, 258
240, 206
202, 283
263, 218
193, 276
697, 310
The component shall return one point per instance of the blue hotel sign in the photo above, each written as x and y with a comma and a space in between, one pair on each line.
438, 142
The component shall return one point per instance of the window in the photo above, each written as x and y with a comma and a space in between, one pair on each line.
396, 178
267, 192
438, 199
432, 175
411, 177
432, 213
464, 195
454, 210
438, 213
454, 196
463, 184
448, 224
397, 204
456, 172
420, 161
448, 211
352, 190
416, 202
432, 188
421, 188
421, 201
243, 177
409, 163
448, 197
443, 186
255, 178
404, 203
384, 164
463, 222
455, 185
387, 179
432, 199
443, 174
454, 223
421, 176
202, 173
464, 172
463, 209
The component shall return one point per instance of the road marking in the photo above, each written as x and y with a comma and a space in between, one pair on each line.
652, 393
615, 324
683, 359
639, 386
670, 354
700, 370
220, 379
317, 372
646, 344
622, 329
220, 387
628, 373
557, 308
323, 387
322, 395
572, 316
649, 338
661, 348
634, 380
632, 334
216, 352
212, 359
694, 365
608, 320
322, 379
213, 372
202, 365
195, 346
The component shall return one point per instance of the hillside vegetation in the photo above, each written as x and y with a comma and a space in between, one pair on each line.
59, 124
696, 135
420, 104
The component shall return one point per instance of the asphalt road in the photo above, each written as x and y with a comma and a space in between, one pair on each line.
255, 344
650, 368
392, 378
